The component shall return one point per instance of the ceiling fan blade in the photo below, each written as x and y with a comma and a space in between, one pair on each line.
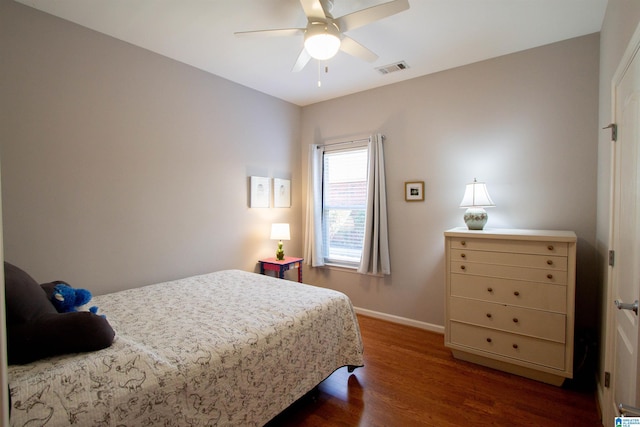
313, 9
272, 33
303, 59
371, 14
353, 48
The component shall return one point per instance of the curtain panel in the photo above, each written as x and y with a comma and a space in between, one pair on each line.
375, 251
313, 251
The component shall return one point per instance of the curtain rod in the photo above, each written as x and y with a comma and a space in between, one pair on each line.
345, 142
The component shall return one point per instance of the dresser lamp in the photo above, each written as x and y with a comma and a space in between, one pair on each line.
476, 198
280, 232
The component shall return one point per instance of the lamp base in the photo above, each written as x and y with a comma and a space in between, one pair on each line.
475, 218
280, 252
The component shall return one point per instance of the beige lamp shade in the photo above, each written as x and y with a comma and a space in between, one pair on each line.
476, 195
280, 231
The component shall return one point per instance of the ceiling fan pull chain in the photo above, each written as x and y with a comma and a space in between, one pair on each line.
326, 71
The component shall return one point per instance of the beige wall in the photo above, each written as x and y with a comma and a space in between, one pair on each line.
620, 22
525, 123
121, 167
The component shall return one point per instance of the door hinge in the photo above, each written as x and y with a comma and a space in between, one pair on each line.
607, 379
612, 258
614, 131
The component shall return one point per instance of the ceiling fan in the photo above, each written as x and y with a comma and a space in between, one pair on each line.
324, 34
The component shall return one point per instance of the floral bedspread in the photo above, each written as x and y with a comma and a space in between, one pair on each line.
226, 348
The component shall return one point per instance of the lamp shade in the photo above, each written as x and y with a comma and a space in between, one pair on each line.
280, 231
476, 195
322, 40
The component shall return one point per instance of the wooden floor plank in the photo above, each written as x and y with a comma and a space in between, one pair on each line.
411, 379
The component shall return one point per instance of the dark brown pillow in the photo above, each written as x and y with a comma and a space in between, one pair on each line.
36, 330
57, 333
25, 299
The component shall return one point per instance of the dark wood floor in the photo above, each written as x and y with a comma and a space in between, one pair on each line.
411, 379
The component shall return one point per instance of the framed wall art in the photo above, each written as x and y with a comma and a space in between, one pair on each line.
414, 191
260, 192
281, 193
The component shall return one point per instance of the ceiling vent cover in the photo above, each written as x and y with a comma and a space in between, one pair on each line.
398, 66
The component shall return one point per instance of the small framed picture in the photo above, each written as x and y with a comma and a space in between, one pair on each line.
260, 192
414, 191
281, 193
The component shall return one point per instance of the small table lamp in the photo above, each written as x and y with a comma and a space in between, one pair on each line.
280, 232
476, 198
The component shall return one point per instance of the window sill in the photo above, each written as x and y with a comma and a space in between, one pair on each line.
348, 269
336, 266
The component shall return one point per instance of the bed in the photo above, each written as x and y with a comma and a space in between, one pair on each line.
226, 348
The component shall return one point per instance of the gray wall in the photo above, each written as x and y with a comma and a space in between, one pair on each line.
121, 167
525, 123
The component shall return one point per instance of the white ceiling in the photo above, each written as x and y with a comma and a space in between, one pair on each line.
433, 35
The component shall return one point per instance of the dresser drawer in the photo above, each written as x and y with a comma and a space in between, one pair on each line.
533, 323
550, 262
518, 347
518, 293
509, 272
512, 246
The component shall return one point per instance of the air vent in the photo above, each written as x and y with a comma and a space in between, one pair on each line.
398, 66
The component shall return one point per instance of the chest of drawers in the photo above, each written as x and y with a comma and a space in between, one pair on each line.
509, 301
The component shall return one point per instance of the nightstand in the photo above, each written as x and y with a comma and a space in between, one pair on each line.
273, 264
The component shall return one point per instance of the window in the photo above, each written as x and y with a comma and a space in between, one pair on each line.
346, 217
344, 203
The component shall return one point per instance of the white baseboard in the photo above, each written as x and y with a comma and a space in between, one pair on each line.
401, 320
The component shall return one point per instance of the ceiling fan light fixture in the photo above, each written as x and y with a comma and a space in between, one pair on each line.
322, 40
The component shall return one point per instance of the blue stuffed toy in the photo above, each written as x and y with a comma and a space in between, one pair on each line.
67, 299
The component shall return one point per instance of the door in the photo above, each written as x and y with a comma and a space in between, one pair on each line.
625, 274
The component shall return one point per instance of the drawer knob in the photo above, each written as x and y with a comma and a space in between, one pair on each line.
489, 315
462, 267
489, 289
549, 276
516, 293
463, 256
463, 243
515, 346
489, 340
549, 262
550, 247
515, 320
